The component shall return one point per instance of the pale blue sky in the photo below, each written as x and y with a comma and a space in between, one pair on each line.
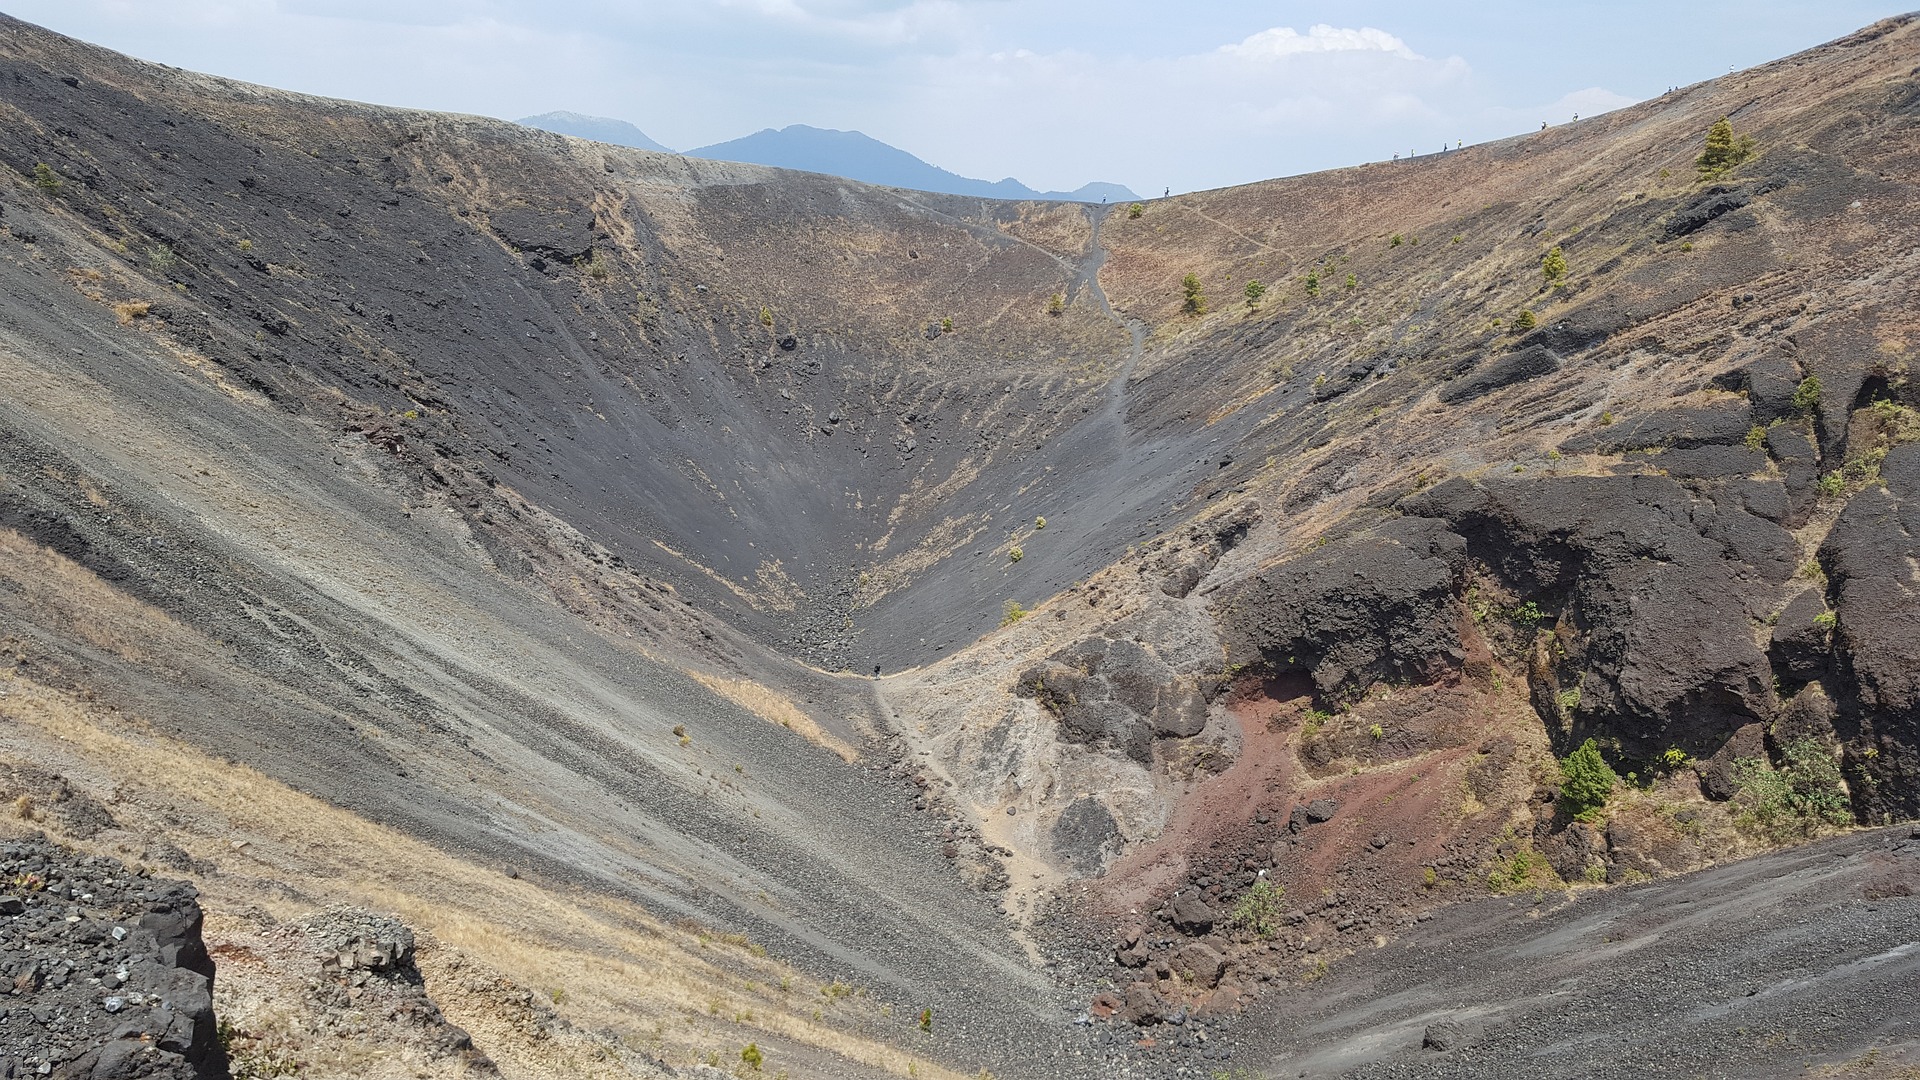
1056, 93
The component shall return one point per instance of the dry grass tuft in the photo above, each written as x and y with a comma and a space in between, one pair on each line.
776, 708
128, 310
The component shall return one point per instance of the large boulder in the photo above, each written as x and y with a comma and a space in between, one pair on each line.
1374, 605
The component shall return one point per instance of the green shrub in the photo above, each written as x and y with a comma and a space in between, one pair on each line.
1553, 266
1353, 282
1803, 796
1568, 699
1523, 869
766, 314
926, 1020
752, 1057
1013, 613
1833, 485
1396, 241
1825, 620
1524, 320
1196, 295
1015, 554
1586, 780
1136, 210
1723, 150
1806, 396
1039, 523
161, 258
1254, 290
946, 325
1259, 908
1313, 283
45, 180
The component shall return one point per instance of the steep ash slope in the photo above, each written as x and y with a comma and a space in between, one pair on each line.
512, 492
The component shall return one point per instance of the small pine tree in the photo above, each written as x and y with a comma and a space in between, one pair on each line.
1313, 283
45, 180
1136, 210
1255, 290
766, 316
1057, 304
1353, 282
1524, 320
1723, 150
1586, 780
1554, 265
1196, 296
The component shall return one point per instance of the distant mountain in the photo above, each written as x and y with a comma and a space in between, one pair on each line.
861, 157
597, 128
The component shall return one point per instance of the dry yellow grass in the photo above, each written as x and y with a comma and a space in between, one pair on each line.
775, 708
128, 310
666, 986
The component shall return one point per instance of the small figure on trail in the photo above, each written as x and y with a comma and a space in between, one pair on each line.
1166, 193
1543, 125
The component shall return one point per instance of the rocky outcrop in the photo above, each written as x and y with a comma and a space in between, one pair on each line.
1118, 691
1377, 604
1655, 599
1868, 557
103, 971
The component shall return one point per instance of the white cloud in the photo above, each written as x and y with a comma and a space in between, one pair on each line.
1281, 42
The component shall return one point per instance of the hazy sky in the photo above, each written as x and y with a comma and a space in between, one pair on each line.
1054, 92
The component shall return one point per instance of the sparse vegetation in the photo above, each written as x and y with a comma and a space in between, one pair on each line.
752, 1058
926, 1020
161, 259
1352, 282
1015, 554
128, 310
1396, 240
766, 316
1012, 613
946, 325
1805, 795
45, 179
1259, 908
1524, 869
1524, 320
1825, 620
1806, 396
1195, 302
1586, 781
1313, 283
1039, 523
1568, 700
1254, 291
596, 268
1553, 266
1135, 210
1723, 151
1057, 304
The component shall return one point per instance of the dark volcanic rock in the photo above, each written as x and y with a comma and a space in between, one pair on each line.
1528, 363
1191, 915
1664, 652
563, 233
110, 977
1869, 556
1375, 605
1800, 645
1719, 422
